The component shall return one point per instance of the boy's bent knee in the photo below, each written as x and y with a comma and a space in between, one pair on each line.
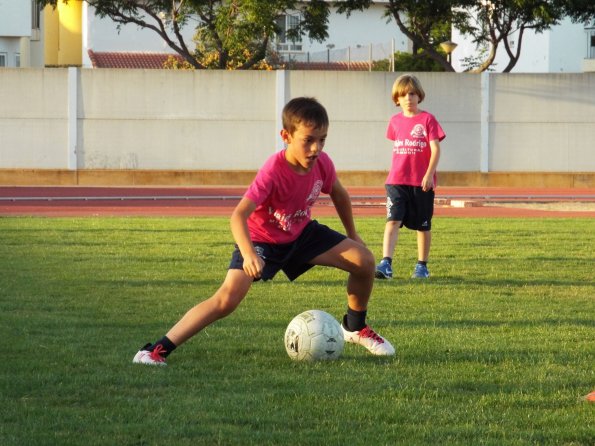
229, 296
226, 303
366, 262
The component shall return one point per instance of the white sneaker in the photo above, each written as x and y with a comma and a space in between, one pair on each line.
144, 356
367, 337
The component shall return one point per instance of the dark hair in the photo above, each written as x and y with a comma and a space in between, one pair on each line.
305, 111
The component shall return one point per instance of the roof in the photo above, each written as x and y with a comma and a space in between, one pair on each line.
114, 59
332, 66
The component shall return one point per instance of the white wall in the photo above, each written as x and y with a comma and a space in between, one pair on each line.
361, 28
182, 120
15, 18
542, 123
568, 47
15, 22
228, 120
33, 118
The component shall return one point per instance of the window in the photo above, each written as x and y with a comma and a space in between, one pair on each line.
17, 60
35, 14
285, 43
590, 30
35, 20
2, 59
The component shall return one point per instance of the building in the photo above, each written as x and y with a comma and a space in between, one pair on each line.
565, 48
20, 34
68, 35
72, 35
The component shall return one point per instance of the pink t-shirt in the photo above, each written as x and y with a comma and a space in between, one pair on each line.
284, 198
411, 148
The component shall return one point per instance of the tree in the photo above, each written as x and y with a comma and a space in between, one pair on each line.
498, 21
489, 23
425, 23
580, 11
230, 34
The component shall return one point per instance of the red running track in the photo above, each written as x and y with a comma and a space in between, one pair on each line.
60, 201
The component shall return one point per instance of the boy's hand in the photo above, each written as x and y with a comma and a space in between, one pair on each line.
357, 238
253, 266
427, 183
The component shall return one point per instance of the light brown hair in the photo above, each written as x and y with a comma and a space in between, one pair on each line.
407, 83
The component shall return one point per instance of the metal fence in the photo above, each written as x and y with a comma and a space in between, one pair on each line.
359, 53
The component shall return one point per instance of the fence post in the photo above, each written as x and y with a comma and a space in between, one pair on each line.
349, 58
72, 114
280, 100
484, 156
392, 55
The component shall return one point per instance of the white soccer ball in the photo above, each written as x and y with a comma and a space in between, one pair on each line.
314, 335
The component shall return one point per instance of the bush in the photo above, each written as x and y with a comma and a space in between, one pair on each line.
408, 62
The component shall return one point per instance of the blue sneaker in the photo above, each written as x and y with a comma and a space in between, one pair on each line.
384, 270
421, 272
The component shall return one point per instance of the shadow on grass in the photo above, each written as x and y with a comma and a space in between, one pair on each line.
474, 323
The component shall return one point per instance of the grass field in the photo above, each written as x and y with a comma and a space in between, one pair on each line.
497, 348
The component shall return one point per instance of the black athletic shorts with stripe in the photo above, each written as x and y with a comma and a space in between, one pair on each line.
292, 258
410, 205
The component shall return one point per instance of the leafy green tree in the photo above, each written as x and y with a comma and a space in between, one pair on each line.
489, 23
498, 21
425, 23
408, 62
230, 34
581, 11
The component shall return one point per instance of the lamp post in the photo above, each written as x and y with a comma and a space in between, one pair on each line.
448, 48
329, 47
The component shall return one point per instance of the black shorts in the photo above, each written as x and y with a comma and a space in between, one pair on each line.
292, 258
410, 205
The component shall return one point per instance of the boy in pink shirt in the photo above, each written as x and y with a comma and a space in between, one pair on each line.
274, 232
411, 181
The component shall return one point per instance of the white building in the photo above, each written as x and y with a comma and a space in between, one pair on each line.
565, 48
66, 37
20, 34
348, 37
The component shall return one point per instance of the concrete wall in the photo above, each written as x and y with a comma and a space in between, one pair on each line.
33, 118
182, 120
542, 123
143, 121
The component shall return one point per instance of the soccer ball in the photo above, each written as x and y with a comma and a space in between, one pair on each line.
314, 335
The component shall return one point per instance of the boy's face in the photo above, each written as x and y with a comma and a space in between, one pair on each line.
304, 146
409, 101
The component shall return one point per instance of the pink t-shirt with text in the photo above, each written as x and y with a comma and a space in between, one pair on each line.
411, 148
284, 198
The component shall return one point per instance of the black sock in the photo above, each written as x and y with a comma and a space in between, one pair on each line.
166, 346
388, 259
421, 262
354, 320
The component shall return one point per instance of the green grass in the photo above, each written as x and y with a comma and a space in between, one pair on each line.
497, 348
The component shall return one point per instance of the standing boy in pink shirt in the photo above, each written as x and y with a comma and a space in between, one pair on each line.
411, 181
273, 231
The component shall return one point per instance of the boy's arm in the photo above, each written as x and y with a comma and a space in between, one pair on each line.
428, 180
253, 264
342, 202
